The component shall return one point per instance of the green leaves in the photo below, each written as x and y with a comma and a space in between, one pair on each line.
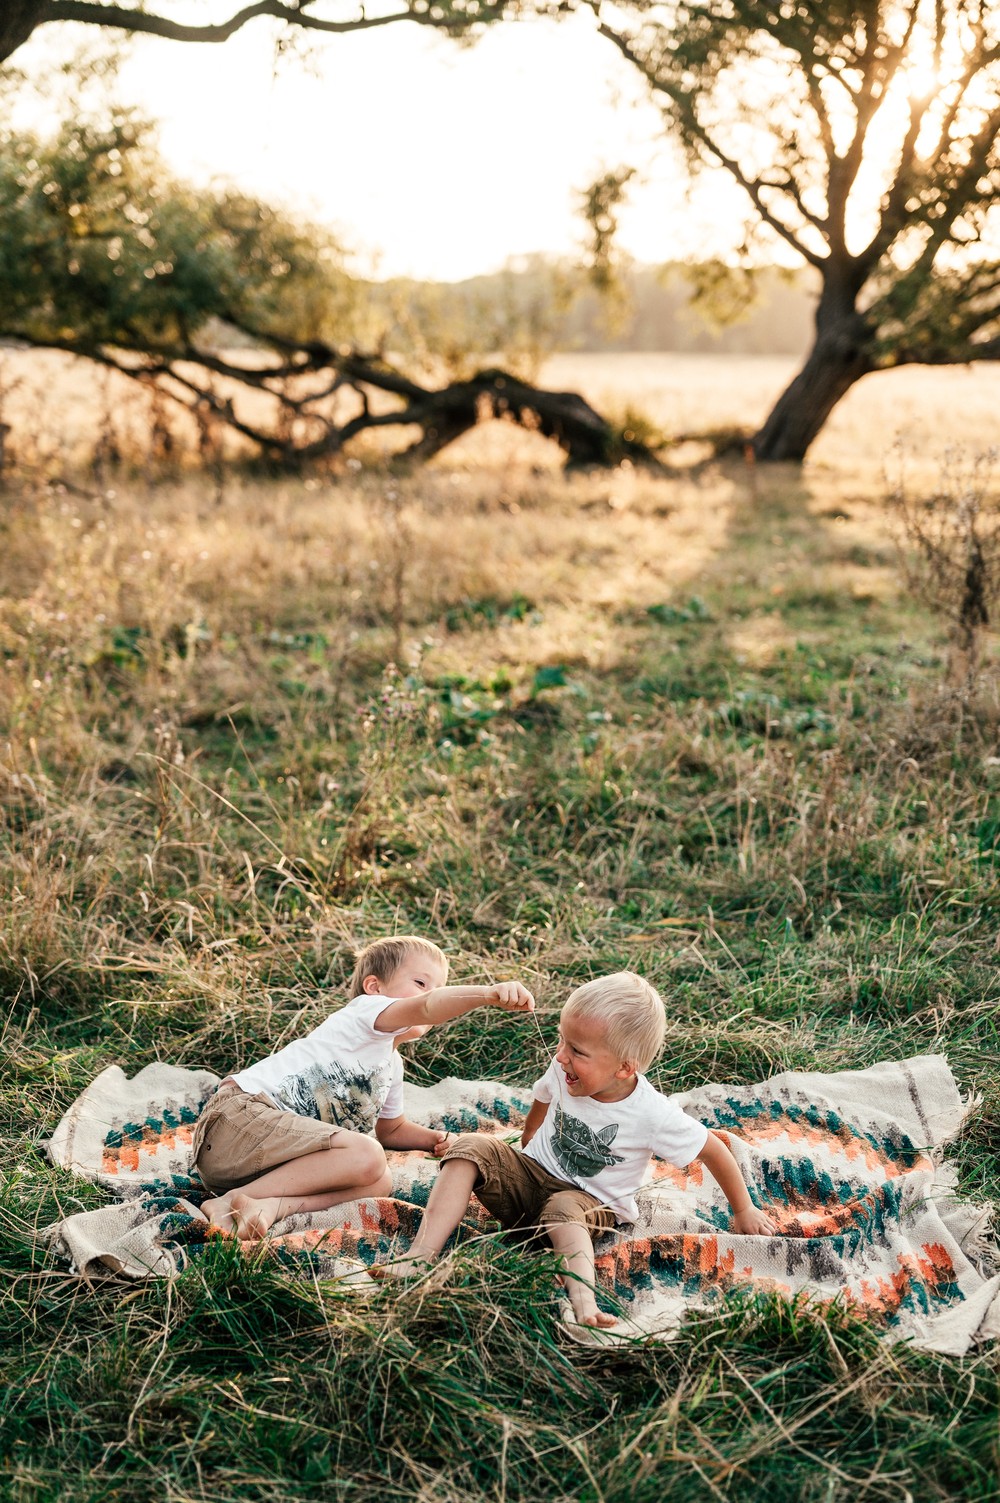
99, 246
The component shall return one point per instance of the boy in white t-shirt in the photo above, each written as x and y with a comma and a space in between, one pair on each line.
291, 1132
593, 1125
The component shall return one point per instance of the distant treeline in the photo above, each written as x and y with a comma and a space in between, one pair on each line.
653, 309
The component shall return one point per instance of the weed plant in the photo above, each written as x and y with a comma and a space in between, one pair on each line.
692, 729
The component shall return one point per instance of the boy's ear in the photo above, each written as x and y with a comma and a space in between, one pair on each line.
371, 985
626, 1068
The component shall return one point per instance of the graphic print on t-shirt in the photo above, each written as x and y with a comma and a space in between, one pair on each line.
337, 1094
579, 1149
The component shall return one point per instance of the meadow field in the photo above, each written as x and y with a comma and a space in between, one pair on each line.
691, 725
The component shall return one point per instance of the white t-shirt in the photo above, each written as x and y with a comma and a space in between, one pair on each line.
345, 1072
605, 1146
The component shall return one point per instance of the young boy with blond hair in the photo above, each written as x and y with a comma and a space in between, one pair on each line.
291, 1132
593, 1125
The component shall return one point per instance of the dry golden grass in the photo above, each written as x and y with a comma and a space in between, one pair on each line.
377, 562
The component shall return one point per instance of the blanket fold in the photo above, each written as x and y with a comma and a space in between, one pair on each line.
849, 1164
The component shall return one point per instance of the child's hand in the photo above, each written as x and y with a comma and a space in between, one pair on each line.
753, 1223
511, 996
441, 1145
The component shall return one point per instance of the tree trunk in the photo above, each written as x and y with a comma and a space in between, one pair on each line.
840, 356
18, 19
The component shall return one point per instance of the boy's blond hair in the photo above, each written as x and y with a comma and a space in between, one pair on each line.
631, 1010
384, 956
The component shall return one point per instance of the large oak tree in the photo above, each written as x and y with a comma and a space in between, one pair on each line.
864, 138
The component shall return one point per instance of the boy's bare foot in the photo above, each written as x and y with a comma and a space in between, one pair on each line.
594, 1317
402, 1270
609, 1333
253, 1218
220, 1215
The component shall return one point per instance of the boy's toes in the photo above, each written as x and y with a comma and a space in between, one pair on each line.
221, 1221
595, 1318
400, 1270
253, 1218
605, 1331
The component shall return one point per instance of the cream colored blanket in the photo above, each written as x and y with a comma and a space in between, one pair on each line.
850, 1164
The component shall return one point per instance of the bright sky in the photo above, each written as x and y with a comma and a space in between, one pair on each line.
435, 160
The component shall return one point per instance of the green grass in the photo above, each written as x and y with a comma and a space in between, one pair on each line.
211, 790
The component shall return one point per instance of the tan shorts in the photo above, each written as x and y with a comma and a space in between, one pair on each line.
239, 1137
520, 1193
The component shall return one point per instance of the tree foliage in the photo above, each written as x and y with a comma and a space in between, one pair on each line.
864, 137
98, 246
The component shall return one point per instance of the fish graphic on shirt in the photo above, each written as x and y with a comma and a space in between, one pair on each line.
579, 1149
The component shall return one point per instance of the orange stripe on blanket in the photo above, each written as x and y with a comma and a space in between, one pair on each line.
842, 1143
683, 1179
626, 1261
792, 1222
839, 1140
937, 1268
330, 1240
127, 1156
700, 1257
384, 1220
885, 1296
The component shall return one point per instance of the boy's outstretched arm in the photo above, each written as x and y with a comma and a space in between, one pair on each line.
726, 1171
446, 1002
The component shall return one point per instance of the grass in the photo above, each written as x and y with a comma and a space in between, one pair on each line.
689, 726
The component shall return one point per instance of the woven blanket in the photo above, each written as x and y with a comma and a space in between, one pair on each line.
849, 1165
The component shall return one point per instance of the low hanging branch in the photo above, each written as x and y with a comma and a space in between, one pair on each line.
587, 438
316, 400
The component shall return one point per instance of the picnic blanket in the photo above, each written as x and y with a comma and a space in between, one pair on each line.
849, 1164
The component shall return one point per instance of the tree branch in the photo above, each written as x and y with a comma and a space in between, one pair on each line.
751, 186
934, 210
125, 19
877, 73
967, 354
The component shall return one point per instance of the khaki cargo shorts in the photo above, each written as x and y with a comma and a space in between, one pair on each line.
238, 1137
522, 1195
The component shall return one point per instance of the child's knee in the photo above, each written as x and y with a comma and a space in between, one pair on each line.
367, 1157
478, 1141
383, 1185
561, 1208
575, 1207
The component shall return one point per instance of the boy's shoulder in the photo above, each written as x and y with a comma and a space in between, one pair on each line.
666, 1099
648, 1101
643, 1091
357, 1015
